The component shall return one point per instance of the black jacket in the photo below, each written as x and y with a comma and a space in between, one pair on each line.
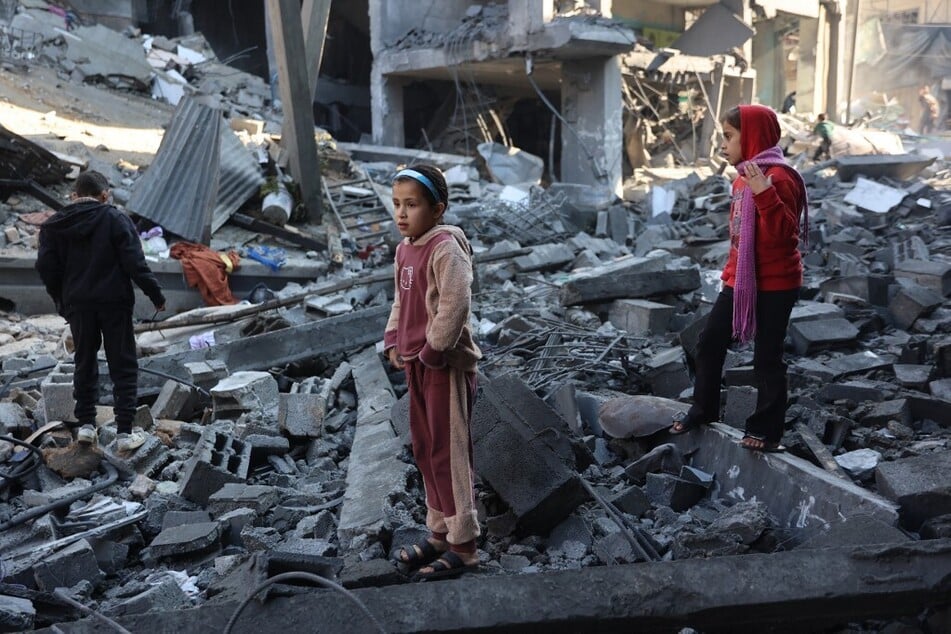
89, 255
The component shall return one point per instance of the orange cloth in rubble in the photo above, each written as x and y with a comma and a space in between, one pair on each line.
208, 270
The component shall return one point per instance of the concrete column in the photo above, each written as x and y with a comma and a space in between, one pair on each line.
769, 64
386, 98
604, 6
528, 16
711, 120
810, 74
832, 14
591, 104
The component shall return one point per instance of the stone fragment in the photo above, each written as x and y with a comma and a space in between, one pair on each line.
231, 496
374, 573
813, 311
16, 614
913, 376
164, 597
881, 413
864, 361
184, 540
181, 518
931, 274
638, 415
13, 419
309, 555
175, 401
857, 391
632, 501
545, 257
859, 463
668, 374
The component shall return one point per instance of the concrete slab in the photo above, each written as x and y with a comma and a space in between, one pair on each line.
827, 587
301, 415
374, 469
184, 540
818, 334
801, 496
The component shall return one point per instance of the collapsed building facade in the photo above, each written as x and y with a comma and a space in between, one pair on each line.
279, 447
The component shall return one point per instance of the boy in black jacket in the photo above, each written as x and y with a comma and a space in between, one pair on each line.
89, 255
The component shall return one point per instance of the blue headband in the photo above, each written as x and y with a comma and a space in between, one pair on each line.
422, 178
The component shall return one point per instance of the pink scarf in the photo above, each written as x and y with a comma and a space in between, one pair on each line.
744, 287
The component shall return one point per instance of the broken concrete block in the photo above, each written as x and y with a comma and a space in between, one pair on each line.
246, 392
67, 567
111, 556
936, 528
881, 413
13, 419
184, 540
301, 415
859, 464
913, 376
545, 257
632, 501
142, 486
629, 277
931, 274
206, 374
813, 311
740, 404
148, 459
614, 549
912, 302
864, 361
668, 374
164, 597
660, 488
941, 389
16, 614
857, 391
176, 401
309, 555
232, 496
920, 485
218, 458
640, 317
374, 573
812, 335
532, 471
181, 518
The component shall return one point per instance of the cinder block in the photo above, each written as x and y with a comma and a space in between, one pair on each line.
640, 316
301, 415
206, 374
812, 335
57, 390
218, 458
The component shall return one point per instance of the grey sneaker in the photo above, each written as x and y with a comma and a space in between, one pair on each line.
130, 442
87, 435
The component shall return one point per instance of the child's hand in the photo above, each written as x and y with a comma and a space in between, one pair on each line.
395, 359
757, 180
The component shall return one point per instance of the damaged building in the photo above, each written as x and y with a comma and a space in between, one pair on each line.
578, 142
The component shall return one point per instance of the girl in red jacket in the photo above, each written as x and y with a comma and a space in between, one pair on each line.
761, 279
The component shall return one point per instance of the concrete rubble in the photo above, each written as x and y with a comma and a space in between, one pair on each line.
281, 443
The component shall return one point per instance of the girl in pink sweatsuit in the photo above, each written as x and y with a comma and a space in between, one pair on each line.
428, 335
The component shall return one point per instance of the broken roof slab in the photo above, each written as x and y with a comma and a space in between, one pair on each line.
497, 62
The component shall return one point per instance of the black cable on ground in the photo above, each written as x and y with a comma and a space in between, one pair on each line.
285, 576
164, 375
111, 476
60, 593
28, 465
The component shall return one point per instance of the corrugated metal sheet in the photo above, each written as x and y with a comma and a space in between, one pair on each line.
179, 189
239, 178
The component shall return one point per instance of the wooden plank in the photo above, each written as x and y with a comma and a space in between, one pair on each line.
297, 99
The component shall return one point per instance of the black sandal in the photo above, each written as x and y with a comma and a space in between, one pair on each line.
768, 447
448, 566
417, 555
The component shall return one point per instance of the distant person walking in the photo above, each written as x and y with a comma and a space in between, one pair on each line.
823, 130
89, 255
929, 110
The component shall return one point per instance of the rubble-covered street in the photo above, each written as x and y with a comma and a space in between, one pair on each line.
278, 480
